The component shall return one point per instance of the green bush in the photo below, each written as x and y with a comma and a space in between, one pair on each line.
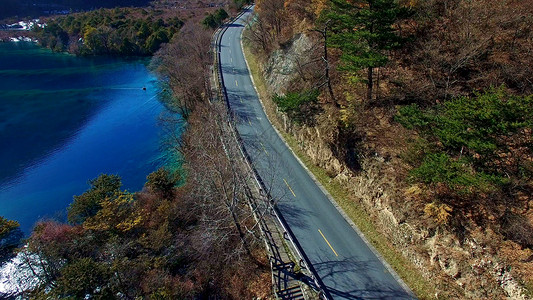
411, 116
6, 226
474, 123
240, 3
215, 19
455, 173
89, 203
440, 168
162, 182
298, 105
83, 277
470, 129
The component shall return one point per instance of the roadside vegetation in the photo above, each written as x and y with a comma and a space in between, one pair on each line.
215, 19
163, 242
427, 106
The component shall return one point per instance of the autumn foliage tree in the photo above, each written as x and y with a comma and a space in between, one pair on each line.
119, 31
89, 203
143, 245
7, 226
162, 182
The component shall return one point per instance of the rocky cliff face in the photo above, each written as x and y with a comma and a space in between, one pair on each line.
467, 268
284, 65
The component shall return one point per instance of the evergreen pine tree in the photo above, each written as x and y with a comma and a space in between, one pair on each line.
364, 31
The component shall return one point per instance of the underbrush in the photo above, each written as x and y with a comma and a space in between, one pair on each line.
478, 155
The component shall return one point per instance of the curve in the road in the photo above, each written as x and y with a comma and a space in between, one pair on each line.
346, 265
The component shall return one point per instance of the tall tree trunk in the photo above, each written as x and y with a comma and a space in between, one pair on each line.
327, 64
324, 34
377, 84
369, 84
241, 232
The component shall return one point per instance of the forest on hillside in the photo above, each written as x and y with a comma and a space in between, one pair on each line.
119, 31
441, 93
32, 8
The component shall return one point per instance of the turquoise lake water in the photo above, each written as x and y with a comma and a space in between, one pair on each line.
65, 120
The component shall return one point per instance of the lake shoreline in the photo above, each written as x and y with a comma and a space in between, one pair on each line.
119, 101
101, 94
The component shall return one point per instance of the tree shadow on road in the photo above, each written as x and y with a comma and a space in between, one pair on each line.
338, 276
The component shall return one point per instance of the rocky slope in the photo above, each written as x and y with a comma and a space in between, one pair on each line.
472, 267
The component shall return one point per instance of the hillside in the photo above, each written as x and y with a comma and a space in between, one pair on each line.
29, 8
422, 112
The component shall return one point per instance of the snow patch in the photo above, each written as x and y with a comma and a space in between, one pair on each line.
16, 276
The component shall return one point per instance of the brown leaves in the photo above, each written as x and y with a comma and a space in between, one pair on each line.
473, 45
53, 232
438, 212
185, 61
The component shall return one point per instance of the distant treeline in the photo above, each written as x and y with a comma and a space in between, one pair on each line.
119, 31
24, 8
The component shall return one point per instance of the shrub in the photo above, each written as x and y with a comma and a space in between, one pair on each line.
298, 105
440, 168
6, 226
457, 174
87, 204
215, 19
82, 279
474, 123
475, 130
162, 182
439, 213
411, 116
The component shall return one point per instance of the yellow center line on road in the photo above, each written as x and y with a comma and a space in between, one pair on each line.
289, 187
249, 122
236, 83
264, 149
328, 242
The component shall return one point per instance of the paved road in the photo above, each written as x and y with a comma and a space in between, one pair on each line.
346, 265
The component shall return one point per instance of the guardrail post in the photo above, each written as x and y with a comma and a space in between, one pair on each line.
302, 264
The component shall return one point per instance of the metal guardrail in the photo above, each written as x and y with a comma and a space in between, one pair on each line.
288, 234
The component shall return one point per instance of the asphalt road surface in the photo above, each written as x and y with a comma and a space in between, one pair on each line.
343, 261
